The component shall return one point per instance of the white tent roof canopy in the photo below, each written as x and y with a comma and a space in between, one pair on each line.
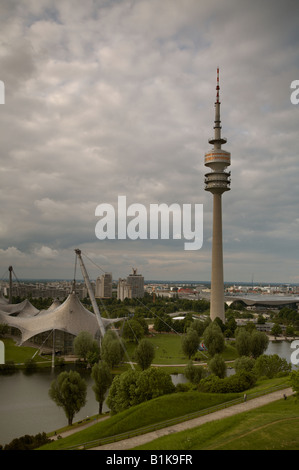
70, 316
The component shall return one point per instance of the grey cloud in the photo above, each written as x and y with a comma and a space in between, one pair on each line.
116, 98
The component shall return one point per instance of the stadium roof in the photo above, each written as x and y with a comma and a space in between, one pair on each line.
70, 316
271, 300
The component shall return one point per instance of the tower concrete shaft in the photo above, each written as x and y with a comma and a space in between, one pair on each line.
217, 182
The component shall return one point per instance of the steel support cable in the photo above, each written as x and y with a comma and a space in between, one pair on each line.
39, 349
93, 262
119, 338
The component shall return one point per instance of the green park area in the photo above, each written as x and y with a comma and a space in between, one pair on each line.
143, 398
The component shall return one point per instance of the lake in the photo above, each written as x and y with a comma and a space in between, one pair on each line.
26, 408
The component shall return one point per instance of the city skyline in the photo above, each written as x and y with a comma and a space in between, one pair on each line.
107, 99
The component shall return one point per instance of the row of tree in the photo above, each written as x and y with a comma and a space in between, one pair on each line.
69, 389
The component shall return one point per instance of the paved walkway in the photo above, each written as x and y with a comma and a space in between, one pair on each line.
245, 406
79, 428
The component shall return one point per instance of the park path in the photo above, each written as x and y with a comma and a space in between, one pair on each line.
127, 444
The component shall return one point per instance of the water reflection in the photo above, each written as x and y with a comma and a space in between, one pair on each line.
26, 408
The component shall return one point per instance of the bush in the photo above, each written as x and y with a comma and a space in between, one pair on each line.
271, 366
185, 387
132, 387
30, 365
235, 383
28, 442
8, 367
194, 373
244, 363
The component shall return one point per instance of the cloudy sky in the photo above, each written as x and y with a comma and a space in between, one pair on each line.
108, 98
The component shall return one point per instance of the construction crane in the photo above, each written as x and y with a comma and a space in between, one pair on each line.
91, 294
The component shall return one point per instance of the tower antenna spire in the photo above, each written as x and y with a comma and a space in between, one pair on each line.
217, 87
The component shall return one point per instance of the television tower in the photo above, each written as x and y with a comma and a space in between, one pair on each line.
217, 182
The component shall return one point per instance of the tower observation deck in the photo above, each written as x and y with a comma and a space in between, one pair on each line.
217, 159
217, 182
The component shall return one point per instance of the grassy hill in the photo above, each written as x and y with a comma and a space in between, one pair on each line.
146, 414
270, 427
158, 410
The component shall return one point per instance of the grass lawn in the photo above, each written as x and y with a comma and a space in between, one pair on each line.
19, 354
274, 426
145, 414
168, 350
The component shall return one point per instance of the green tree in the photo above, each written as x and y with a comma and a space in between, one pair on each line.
194, 373
258, 343
290, 331
271, 366
122, 391
276, 330
245, 363
217, 366
162, 322
102, 377
152, 383
190, 343
214, 339
243, 342
231, 325
198, 326
111, 349
84, 343
133, 330
144, 353
132, 387
69, 392
261, 320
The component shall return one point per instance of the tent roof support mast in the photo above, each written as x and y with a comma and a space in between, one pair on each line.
91, 294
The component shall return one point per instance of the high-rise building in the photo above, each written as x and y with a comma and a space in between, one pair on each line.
104, 286
131, 287
217, 182
136, 281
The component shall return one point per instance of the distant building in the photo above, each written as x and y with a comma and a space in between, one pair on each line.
136, 281
55, 290
132, 287
103, 288
124, 290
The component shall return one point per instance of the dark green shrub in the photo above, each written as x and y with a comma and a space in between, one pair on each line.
235, 383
